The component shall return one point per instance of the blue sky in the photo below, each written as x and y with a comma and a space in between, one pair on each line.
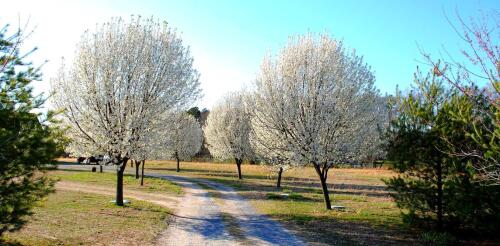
228, 39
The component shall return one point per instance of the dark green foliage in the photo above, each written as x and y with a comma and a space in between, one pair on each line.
195, 112
439, 187
438, 238
27, 144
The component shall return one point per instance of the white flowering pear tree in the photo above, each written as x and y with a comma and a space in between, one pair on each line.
371, 138
182, 138
145, 148
269, 144
227, 130
314, 95
123, 79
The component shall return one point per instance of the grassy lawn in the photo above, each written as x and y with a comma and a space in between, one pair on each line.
75, 218
151, 185
370, 217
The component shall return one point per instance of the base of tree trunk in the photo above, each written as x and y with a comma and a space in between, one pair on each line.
278, 183
142, 174
238, 164
137, 166
326, 194
119, 183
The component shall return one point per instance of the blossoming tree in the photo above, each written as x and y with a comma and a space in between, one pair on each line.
182, 138
123, 78
313, 96
268, 143
227, 130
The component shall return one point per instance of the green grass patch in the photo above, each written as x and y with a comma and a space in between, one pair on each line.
76, 218
384, 214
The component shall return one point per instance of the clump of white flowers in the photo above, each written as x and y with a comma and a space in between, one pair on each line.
124, 77
312, 100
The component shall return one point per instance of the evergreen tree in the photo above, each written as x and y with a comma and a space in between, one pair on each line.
195, 112
437, 187
27, 144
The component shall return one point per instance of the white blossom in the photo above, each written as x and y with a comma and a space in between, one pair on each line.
314, 95
124, 78
183, 137
269, 144
227, 130
116, 94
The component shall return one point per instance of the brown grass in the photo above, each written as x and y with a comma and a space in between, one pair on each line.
76, 218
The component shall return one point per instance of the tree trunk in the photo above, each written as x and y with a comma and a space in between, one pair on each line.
440, 196
100, 168
131, 164
238, 164
137, 166
278, 184
119, 183
326, 193
178, 167
142, 175
322, 178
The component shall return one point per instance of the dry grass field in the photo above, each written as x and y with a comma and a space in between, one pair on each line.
71, 217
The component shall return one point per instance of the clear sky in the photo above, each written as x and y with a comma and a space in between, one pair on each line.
228, 39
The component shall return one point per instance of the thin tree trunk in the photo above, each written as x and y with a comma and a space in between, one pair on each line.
100, 168
278, 184
177, 158
238, 164
119, 183
142, 174
326, 193
324, 187
131, 164
137, 166
440, 196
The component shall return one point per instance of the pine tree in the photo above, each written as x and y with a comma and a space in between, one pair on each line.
27, 144
438, 188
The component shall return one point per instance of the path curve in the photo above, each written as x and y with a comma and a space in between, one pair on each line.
258, 229
198, 218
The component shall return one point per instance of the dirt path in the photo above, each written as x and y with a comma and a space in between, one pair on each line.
199, 219
252, 228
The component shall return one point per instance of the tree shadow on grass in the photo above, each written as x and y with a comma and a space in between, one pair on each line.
215, 173
328, 231
10, 242
355, 190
